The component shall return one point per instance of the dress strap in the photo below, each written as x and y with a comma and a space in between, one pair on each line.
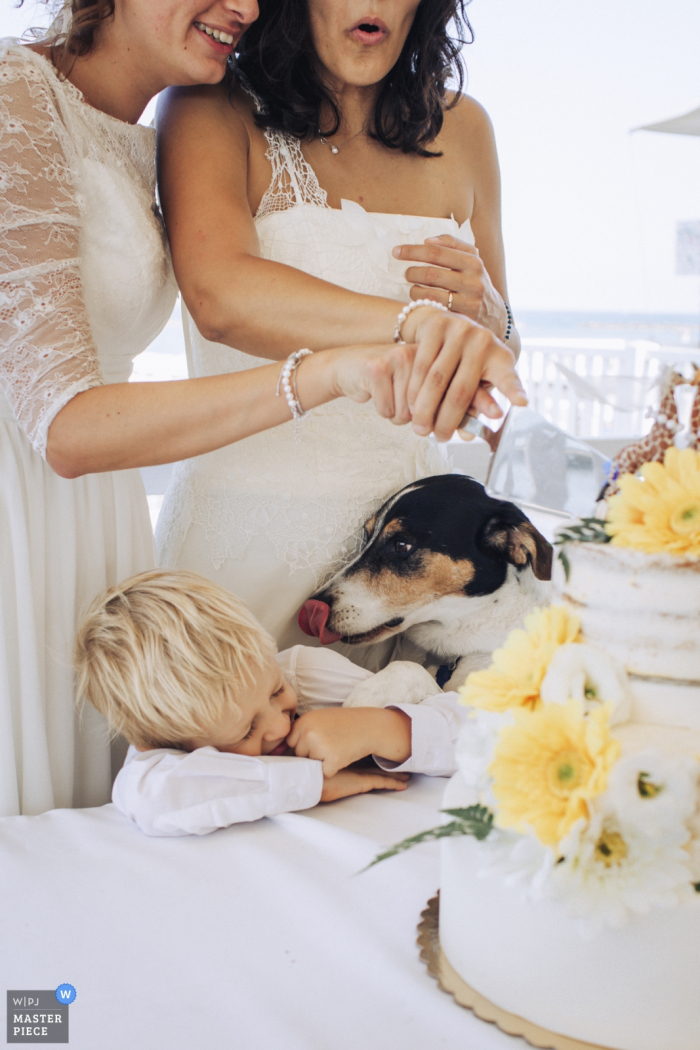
293, 180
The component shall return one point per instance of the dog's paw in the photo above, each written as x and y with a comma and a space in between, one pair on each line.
401, 682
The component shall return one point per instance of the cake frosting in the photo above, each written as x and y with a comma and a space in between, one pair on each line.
634, 988
591, 931
642, 608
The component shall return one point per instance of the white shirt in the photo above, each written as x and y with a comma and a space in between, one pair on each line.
169, 792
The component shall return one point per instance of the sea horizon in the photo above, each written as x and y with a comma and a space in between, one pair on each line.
666, 329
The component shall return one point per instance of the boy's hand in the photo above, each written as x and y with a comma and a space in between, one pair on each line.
340, 736
358, 781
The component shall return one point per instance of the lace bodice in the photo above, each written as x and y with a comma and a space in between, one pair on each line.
85, 276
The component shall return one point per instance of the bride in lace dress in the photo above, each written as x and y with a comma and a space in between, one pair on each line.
248, 194
85, 284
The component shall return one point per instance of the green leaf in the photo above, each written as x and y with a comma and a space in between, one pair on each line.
478, 818
474, 820
696, 886
587, 530
566, 563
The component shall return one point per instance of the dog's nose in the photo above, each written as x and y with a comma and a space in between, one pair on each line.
312, 620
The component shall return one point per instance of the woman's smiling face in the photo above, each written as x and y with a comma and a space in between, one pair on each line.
359, 41
185, 41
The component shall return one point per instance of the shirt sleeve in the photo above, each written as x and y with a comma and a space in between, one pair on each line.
47, 353
435, 726
167, 792
320, 677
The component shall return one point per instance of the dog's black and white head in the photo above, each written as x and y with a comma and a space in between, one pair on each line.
442, 559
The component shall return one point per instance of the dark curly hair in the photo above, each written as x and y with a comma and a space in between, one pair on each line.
79, 38
278, 60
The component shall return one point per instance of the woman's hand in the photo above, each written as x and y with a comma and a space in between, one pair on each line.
359, 781
381, 373
456, 363
451, 265
433, 382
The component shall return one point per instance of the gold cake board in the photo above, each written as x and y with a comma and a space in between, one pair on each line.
449, 980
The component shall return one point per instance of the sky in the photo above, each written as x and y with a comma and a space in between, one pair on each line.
589, 208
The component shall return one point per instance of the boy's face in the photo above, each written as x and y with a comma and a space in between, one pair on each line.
266, 719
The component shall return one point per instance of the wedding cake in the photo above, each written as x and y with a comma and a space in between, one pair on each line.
570, 885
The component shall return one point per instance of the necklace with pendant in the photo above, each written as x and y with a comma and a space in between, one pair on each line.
336, 149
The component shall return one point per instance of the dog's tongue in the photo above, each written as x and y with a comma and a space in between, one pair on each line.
312, 620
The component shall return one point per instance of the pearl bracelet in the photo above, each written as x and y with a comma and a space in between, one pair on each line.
288, 382
412, 306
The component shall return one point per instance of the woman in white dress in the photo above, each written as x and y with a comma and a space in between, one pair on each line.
85, 284
254, 194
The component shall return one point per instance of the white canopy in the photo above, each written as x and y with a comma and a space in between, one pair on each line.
687, 124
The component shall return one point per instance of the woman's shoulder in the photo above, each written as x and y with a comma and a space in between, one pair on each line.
467, 133
466, 116
33, 93
207, 107
30, 62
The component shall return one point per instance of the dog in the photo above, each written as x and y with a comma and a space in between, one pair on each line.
445, 566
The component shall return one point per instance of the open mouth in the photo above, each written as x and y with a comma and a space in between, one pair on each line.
218, 38
280, 749
369, 31
369, 636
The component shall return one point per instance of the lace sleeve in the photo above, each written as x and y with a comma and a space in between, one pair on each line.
47, 354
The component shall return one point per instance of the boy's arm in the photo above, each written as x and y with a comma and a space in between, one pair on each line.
168, 792
402, 738
435, 725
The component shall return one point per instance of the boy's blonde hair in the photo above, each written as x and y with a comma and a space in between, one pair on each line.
165, 653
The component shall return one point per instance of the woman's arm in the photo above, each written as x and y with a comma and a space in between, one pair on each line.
142, 424
261, 307
49, 370
476, 276
235, 296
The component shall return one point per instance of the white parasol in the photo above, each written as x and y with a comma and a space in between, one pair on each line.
687, 124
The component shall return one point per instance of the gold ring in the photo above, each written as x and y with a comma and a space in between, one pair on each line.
449, 301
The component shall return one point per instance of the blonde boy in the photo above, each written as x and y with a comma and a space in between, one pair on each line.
183, 670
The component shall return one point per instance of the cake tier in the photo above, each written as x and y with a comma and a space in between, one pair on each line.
644, 609
635, 988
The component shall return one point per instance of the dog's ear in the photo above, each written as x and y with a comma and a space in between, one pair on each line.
511, 533
369, 526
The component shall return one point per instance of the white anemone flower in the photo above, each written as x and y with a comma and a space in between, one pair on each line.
519, 861
590, 675
609, 871
654, 791
474, 751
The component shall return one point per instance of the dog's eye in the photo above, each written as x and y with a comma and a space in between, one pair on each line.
401, 547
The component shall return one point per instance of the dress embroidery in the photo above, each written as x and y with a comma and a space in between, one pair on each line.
52, 144
293, 179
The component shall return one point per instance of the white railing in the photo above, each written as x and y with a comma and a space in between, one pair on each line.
597, 388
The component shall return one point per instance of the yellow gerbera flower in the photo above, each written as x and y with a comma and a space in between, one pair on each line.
659, 511
548, 764
517, 669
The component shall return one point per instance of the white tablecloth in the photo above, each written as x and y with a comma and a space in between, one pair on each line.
258, 936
